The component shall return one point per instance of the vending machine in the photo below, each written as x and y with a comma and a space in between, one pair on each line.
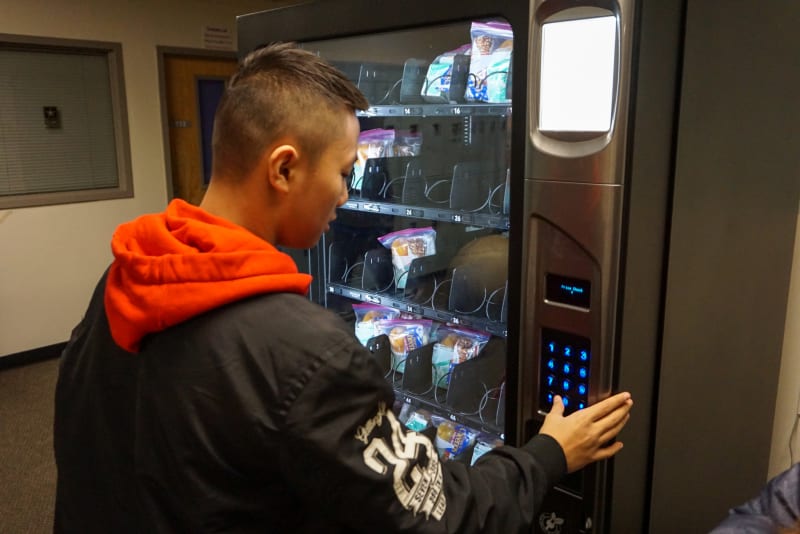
505, 236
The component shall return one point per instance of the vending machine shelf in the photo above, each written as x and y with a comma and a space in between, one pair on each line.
500, 222
395, 301
437, 110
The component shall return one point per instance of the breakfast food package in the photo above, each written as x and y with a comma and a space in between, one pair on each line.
490, 62
407, 245
453, 440
376, 143
483, 445
367, 317
405, 335
454, 346
439, 77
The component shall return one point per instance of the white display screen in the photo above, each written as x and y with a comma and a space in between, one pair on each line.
577, 75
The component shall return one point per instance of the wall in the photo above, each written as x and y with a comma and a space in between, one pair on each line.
731, 250
787, 405
51, 257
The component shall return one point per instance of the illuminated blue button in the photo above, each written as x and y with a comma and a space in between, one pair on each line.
567, 351
582, 389
583, 372
565, 385
551, 364
584, 355
565, 400
567, 368
550, 398
581, 405
551, 380
551, 347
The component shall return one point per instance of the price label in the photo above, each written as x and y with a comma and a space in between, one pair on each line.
373, 299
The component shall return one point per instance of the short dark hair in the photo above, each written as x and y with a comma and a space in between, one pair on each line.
279, 89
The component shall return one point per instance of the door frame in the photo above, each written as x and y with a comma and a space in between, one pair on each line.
161, 52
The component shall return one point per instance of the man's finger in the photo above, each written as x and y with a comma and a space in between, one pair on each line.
558, 406
612, 432
605, 407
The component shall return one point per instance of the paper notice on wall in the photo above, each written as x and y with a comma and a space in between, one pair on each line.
217, 38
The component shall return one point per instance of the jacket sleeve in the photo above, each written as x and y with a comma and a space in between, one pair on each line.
350, 457
777, 506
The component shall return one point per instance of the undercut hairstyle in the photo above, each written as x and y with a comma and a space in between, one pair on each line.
279, 90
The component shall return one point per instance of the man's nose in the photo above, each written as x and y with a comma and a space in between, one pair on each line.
343, 196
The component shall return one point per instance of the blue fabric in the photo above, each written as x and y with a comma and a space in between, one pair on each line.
778, 505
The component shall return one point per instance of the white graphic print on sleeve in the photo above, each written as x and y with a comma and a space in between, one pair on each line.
411, 457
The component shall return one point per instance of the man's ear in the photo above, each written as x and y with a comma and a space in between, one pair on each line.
281, 164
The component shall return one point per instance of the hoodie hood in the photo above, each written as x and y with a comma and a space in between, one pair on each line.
171, 266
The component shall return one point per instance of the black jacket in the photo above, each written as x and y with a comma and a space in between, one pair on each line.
265, 415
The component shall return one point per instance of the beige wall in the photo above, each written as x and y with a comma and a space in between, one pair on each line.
51, 257
787, 405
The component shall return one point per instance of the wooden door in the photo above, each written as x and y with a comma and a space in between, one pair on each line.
192, 86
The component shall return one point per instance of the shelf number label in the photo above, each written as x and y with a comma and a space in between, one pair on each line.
457, 218
372, 299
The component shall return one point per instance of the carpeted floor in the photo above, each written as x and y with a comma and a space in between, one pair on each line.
27, 467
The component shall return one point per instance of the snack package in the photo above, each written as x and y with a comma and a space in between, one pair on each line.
404, 336
452, 440
456, 345
436, 87
407, 143
367, 317
483, 445
415, 419
376, 143
407, 245
490, 62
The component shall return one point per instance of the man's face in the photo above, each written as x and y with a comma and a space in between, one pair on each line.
323, 187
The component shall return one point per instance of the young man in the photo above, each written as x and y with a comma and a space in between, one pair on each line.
202, 392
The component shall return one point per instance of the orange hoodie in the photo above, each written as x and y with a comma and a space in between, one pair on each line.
171, 266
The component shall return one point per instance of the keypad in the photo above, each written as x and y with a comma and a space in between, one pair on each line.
565, 365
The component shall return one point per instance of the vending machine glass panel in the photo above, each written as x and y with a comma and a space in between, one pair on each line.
417, 260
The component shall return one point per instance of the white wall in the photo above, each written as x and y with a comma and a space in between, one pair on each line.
787, 404
51, 257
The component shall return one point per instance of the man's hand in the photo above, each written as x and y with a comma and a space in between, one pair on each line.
584, 435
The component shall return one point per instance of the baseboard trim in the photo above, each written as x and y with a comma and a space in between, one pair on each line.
32, 356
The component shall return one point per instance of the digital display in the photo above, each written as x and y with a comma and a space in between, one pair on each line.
576, 85
569, 291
